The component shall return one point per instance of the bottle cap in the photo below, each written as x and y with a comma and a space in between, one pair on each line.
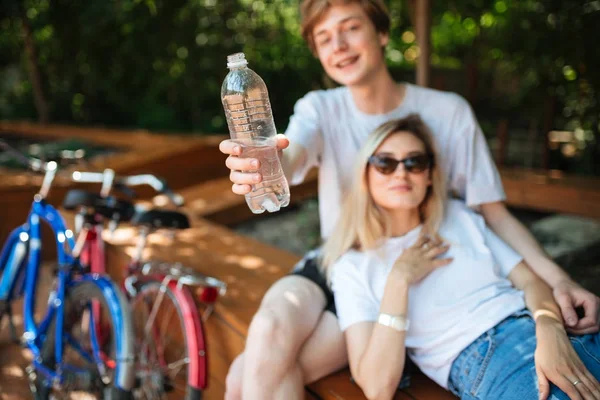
236, 60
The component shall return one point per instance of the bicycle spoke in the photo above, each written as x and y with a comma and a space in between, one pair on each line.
166, 322
145, 344
154, 312
178, 365
162, 353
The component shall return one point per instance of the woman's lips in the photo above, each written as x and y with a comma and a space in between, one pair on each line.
401, 188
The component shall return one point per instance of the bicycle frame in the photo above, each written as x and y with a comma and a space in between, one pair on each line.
27, 239
93, 255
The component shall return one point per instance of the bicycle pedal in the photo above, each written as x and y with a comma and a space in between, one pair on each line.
31, 377
30, 371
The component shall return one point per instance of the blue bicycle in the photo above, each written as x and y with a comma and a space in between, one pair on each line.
68, 355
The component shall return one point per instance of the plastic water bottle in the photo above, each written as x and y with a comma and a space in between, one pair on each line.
250, 120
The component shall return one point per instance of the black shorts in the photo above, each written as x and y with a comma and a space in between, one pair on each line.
308, 267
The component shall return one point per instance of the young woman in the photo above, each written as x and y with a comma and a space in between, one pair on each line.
414, 274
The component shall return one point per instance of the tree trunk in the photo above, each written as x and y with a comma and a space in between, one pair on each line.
423, 33
41, 104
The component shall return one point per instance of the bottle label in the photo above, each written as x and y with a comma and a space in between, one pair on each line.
246, 112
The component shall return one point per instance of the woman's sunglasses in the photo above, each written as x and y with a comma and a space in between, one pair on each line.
414, 164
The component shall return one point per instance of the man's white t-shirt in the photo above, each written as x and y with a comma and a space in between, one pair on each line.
332, 129
449, 308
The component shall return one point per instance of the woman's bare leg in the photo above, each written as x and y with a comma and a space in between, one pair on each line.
233, 382
287, 316
292, 386
323, 353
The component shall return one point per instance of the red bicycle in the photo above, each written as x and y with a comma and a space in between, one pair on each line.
171, 353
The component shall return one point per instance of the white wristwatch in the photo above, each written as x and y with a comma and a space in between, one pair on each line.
397, 322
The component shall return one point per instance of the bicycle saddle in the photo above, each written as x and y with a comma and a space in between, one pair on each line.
108, 207
161, 219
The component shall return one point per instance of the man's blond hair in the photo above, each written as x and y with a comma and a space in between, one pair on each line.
312, 11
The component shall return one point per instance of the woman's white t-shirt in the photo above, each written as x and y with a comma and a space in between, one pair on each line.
450, 307
332, 129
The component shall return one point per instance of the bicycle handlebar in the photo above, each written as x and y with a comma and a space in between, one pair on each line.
124, 183
32, 163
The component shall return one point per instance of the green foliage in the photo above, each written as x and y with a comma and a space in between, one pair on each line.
159, 64
152, 64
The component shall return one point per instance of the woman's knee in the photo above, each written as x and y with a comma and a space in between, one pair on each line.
288, 314
233, 382
270, 328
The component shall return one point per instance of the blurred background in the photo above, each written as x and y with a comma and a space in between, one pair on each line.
529, 67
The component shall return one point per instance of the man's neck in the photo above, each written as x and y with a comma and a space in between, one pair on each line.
380, 95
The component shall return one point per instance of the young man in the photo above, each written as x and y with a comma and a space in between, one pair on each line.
291, 340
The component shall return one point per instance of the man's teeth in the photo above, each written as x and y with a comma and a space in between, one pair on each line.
344, 63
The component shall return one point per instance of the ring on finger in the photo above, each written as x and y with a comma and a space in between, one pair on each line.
576, 382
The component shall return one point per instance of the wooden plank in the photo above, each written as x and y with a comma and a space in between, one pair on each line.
215, 389
224, 343
215, 201
127, 138
552, 191
339, 386
422, 387
175, 160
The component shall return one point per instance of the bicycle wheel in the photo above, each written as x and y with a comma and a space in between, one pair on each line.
168, 335
87, 377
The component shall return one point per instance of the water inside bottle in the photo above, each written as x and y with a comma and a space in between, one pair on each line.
249, 116
273, 192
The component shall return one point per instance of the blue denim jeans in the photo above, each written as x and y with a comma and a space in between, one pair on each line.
500, 364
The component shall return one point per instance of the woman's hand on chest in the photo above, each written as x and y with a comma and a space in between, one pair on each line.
420, 259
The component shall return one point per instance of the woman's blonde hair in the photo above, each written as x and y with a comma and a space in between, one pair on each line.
362, 224
312, 11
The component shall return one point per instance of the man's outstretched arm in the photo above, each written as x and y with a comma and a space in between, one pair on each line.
567, 293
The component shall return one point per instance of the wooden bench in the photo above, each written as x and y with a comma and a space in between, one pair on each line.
552, 191
248, 267
215, 201
538, 190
